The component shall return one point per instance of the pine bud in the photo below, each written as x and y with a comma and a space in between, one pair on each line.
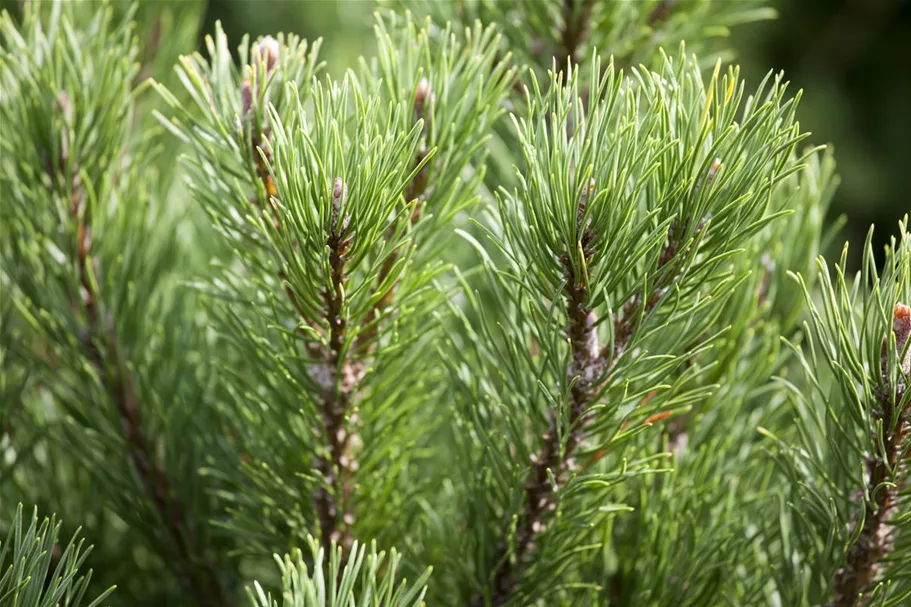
709, 177
339, 196
246, 97
422, 96
716, 164
338, 191
268, 51
901, 327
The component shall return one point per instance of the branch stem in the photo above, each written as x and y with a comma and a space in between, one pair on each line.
575, 29
867, 557
588, 364
342, 376
197, 574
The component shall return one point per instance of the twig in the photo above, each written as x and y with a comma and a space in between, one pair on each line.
625, 322
197, 574
574, 30
151, 50
334, 373
661, 13
335, 403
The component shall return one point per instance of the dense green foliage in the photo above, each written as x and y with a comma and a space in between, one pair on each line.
546, 321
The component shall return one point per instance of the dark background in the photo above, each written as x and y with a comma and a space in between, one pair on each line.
852, 58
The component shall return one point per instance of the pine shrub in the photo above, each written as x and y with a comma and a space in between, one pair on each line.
525, 308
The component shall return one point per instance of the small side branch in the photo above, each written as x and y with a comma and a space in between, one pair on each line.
585, 370
336, 377
586, 367
196, 572
588, 363
626, 322
416, 191
867, 558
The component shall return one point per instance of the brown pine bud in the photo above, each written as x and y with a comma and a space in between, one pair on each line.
246, 97
716, 164
709, 177
422, 96
901, 327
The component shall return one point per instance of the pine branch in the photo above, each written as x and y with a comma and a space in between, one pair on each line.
38, 569
103, 350
361, 575
340, 287
587, 366
542, 226
868, 556
855, 420
335, 374
333, 513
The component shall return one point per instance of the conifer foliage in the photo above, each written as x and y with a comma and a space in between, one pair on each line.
525, 308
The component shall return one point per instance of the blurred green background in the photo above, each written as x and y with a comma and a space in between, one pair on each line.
852, 58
